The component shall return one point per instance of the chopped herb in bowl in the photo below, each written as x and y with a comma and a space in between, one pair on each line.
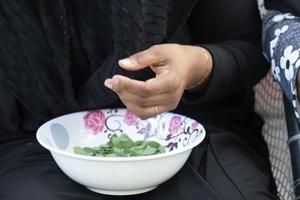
122, 146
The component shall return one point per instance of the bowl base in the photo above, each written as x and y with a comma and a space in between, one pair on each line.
121, 192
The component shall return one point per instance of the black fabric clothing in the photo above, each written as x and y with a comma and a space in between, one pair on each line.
49, 91
55, 56
225, 167
80, 69
107, 37
290, 6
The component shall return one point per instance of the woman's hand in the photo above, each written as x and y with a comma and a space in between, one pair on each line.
177, 67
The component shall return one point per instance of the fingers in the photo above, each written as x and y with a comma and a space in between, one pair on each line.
141, 97
144, 107
160, 99
147, 112
120, 83
155, 86
143, 59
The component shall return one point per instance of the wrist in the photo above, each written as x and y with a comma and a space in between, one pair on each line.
200, 68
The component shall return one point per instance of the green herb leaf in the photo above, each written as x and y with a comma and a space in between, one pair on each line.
122, 146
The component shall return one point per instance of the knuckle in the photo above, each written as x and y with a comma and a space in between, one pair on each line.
157, 54
139, 101
147, 91
144, 102
139, 58
143, 94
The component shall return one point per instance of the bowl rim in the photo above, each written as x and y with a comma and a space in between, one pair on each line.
117, 159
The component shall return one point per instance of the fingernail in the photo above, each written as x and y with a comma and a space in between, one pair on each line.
126, 62
108, 84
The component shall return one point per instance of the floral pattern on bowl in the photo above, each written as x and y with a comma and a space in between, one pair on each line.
94, 120
171, 130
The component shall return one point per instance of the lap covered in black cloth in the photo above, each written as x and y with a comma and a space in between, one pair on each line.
224, 166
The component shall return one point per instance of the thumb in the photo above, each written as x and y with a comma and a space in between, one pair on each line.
141, 60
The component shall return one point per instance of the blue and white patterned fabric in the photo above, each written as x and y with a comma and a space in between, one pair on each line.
281, 43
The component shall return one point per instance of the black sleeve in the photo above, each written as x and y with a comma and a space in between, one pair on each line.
231, 32
9, 115
93, 92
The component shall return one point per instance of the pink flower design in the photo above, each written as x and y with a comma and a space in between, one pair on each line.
175, 124
131, 119
194, 125
94, 120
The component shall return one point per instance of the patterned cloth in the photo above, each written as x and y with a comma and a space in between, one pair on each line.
281, 40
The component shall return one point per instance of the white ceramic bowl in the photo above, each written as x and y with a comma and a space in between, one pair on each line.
121, 175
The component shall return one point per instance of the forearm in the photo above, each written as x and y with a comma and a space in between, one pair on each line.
234, 45
236, 66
